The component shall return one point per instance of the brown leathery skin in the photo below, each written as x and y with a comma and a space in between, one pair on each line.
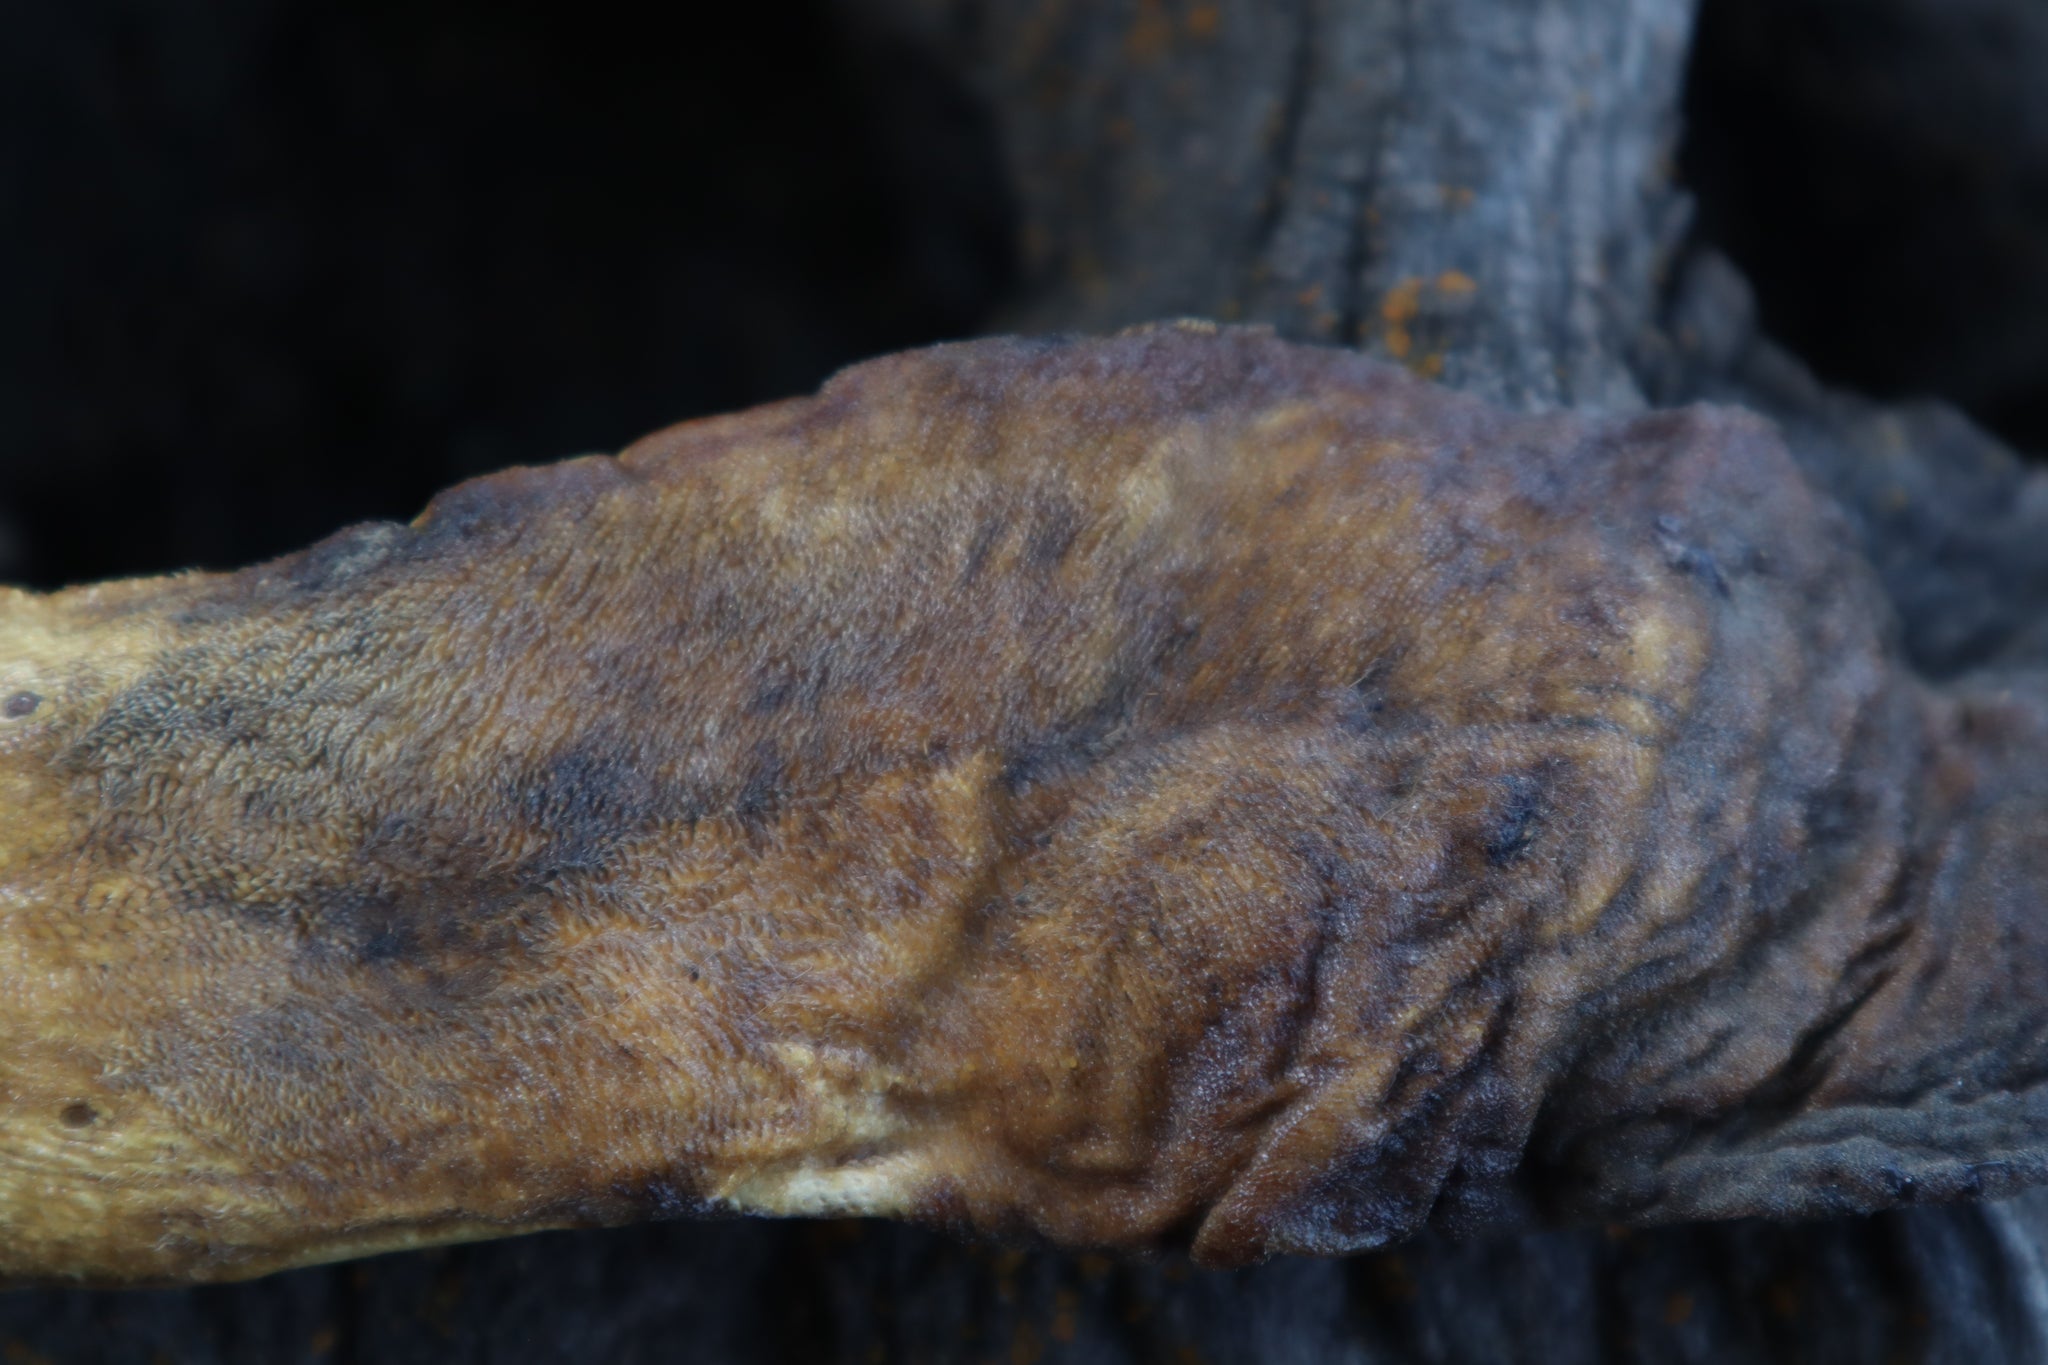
1177, 787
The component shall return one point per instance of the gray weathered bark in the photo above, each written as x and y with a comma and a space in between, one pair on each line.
1479, 190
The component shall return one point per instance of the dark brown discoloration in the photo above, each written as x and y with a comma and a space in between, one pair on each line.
1180, 786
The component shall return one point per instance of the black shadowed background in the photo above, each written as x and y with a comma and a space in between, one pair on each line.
269, 267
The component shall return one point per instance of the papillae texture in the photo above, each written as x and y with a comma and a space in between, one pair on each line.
1176, 788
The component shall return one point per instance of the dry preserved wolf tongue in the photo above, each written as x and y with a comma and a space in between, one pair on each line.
1182, 787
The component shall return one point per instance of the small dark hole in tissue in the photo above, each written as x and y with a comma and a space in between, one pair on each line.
78, 1115
20, 704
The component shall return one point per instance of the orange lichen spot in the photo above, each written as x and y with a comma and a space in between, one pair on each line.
1455, 282
1398, 309
1203, 21
1403, 301
1678, 1309
1310, 297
